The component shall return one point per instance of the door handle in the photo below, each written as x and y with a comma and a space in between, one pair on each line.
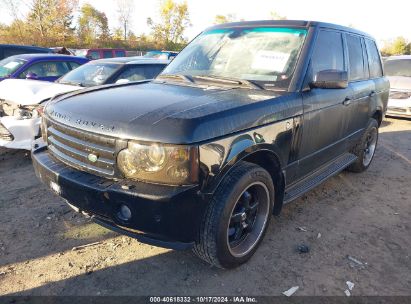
372, 94
347, 101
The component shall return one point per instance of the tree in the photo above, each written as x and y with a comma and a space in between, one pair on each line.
174, 19
220, 19
92, 25
276, 16
51, 21
125, 9
398, 46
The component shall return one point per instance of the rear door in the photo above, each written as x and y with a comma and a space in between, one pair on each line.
325, 117
381, 84
361, 86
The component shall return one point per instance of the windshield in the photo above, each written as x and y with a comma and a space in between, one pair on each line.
264, 55
398, 67
9, 65
156, 55
90, 74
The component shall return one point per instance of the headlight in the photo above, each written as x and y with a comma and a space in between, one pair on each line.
164, 164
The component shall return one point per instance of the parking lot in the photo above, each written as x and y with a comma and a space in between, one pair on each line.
357, 227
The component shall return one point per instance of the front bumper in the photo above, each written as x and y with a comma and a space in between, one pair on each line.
399, 107
18, 133
165, 216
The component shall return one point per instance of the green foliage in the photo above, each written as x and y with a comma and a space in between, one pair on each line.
51, 23
92, 25
220, 19
399, 46
174, 19
276, 16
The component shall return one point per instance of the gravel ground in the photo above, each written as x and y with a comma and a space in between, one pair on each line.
357, 226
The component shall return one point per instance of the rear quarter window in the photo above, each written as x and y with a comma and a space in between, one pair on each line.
355, 57
374, 60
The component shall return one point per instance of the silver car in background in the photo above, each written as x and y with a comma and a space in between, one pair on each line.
398, 70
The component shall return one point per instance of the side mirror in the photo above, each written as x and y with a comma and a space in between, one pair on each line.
330, 79
31, 75
122, 81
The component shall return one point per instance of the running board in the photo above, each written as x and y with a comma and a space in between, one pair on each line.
321, 175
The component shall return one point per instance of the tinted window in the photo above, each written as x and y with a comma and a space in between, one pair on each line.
94, 54
74, 65
47, 69
141, 72
10, 65
107, 54
374, 61
328, 52
355, 58
398, 67
120, 54
90, 74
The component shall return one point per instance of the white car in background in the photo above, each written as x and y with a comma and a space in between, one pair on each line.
398, 71
21, 100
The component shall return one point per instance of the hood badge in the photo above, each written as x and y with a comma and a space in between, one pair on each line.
80, 122
92, 157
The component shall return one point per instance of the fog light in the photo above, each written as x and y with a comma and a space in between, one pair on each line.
124, 213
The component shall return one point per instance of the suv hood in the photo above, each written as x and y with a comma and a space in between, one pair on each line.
170, 113
30, 92
400, 82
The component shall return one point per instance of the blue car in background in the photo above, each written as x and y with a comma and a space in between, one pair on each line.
46, 67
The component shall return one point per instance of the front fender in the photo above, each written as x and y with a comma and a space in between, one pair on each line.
219, 157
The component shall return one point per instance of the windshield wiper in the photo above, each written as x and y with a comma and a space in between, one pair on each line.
79, 84
249, 83
176, 76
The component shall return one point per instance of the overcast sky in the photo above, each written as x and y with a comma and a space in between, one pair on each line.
382, 21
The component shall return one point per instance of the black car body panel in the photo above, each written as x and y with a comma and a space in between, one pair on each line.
291, 133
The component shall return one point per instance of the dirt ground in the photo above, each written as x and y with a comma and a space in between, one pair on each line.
364, 216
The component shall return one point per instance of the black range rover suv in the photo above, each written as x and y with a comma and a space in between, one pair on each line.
249, 116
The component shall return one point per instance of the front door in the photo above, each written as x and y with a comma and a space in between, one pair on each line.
325, 110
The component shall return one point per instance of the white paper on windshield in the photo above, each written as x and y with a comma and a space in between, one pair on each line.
270, 61
11, 65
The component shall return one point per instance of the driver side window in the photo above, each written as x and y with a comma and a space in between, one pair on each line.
328, 52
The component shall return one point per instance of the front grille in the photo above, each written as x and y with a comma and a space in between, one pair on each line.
73, 147
5, 134
399, 95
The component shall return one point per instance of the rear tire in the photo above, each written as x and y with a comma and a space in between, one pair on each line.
365, 149
237, 217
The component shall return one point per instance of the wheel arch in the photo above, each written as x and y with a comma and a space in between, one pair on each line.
378, 116
265, 156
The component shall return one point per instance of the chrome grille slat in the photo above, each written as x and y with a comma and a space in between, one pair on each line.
91, 147
73, 147
77, 153
72, 162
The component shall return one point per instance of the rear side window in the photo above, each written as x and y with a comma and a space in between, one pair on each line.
120, 54
374, 61
74, 65
47, 69
355, 56
94, 54
107, 54
328, 52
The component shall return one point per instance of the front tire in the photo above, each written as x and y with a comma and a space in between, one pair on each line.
237, 217
365, 149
